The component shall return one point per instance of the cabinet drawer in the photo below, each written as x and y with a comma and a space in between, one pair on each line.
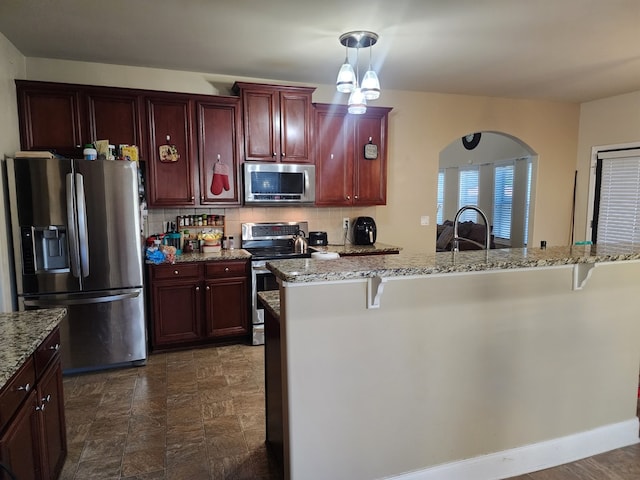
46, 351
182, 271
226, 269
16, 390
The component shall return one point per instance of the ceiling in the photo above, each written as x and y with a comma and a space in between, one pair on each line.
566, 50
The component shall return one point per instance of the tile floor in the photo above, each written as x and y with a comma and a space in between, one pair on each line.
199, 414
196, 414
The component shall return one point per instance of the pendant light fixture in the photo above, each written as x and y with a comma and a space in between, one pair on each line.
348, 80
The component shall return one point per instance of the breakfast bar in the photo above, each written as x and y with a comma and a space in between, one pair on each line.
475, 365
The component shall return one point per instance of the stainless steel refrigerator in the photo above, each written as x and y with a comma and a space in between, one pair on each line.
77, 243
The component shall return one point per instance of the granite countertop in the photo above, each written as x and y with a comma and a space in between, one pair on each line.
222, 255
350, 249
406, 264
271, 301
20, 335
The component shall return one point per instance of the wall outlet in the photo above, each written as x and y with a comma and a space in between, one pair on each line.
424, 220
346, 224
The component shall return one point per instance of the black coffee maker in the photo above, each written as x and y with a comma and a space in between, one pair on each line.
364, 231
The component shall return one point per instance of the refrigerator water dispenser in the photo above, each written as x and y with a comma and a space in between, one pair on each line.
50, 248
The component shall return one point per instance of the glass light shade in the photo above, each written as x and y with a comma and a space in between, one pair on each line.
370, 85
357, 102
346, 82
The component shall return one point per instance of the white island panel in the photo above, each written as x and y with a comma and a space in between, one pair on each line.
455, 367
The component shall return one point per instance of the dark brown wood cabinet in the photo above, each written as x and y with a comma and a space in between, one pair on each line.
218, 123
50, 117
344, 177
277, 123
116, 115
199, 302
64, 117
33, 432
170, 177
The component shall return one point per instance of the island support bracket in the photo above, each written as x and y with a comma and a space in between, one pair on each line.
375, 286
582, 273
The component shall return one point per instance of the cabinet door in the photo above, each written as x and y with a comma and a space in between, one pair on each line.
218, 151
20, 443
114, 116
176, 312
226, 307
261, 125
295, 127
334, 173
49, 117
370, 176
51, 401
170, 178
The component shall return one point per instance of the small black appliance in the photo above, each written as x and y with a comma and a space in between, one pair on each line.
318, 238
364, 231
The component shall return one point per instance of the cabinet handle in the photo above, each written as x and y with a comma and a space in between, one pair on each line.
283, 154
348, 197
193, 197
208, 288
46, 399
55, 347
176, 272
355, 197
275, 154
331, 156
24, 387
197, 289
226, 269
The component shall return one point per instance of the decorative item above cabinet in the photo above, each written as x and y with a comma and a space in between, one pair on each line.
277, 123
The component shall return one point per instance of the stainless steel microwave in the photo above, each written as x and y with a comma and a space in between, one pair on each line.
279, 184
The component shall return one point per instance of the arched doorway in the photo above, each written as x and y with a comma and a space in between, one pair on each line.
495, 172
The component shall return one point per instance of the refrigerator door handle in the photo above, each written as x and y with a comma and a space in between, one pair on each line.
34, 302
82, 225
71, 225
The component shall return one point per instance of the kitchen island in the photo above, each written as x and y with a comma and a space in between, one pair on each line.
471, 365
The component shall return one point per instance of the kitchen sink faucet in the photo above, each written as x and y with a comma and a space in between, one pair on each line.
456, 238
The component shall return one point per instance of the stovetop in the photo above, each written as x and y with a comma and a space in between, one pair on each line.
272, 240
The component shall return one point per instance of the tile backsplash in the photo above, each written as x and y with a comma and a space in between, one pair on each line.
320, 219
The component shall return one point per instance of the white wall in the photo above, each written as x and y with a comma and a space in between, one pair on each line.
12, 65
609, 121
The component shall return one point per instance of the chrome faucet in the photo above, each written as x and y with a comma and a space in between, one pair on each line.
454, 243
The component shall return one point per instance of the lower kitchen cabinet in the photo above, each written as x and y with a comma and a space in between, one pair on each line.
199, 303
33, 441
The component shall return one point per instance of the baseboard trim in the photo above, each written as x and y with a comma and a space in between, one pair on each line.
530, 458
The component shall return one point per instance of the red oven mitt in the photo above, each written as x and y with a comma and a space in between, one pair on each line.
220, 179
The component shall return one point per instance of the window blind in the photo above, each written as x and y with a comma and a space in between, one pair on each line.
468, 194
440, 199
618, 216
502, 201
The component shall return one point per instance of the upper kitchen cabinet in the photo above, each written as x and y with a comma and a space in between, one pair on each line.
63, 117
115, 114
218, 123
351, 156
170, 161
49, 117
277, 123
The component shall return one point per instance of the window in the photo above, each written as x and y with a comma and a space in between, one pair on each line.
440, 199
468, 193
617, 202
503, 201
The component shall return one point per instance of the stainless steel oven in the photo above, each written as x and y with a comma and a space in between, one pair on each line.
267, 241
